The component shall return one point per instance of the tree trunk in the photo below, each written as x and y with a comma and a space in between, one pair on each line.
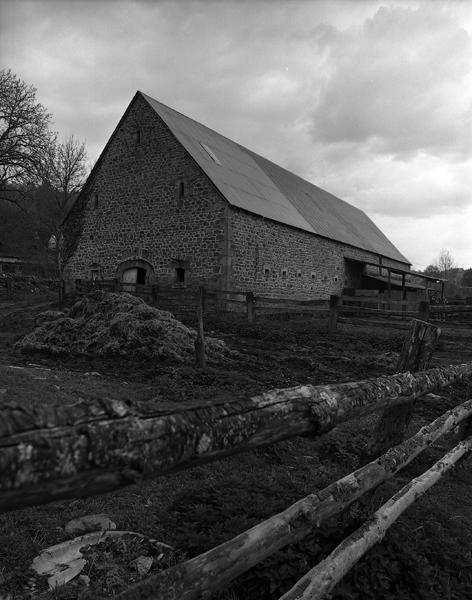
205, 574
64, 448
318, 582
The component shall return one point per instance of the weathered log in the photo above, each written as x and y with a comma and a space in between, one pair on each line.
205, 574
415, 356
418, 347
320, 580
77, 449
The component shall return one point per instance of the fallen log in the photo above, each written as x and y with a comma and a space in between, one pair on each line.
77, 449
320, 580
203, 575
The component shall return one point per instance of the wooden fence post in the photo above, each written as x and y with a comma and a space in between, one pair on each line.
200, 358
250, 307
333, 313
61, 291
415, 355
423, 310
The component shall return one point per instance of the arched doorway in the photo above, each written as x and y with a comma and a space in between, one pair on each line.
133, 273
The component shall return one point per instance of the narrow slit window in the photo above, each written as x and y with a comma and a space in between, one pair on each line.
137, 137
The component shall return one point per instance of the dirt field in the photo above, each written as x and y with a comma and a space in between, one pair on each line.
427, 554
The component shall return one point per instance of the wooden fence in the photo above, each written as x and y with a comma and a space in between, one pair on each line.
399, 313
184, 301
81, 449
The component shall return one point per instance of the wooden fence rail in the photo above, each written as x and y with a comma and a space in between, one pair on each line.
320, 580
90, 447
203, 575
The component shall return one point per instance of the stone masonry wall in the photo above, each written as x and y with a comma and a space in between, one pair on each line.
280, 261
132, 210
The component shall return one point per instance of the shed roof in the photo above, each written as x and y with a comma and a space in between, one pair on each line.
253, 183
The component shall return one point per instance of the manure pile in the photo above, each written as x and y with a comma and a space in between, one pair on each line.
107, 324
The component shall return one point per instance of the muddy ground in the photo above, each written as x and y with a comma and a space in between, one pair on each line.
426, 554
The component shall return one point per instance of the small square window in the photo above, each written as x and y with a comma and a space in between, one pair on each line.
299, 273
266, 272
313, 275
284, 273
94, 274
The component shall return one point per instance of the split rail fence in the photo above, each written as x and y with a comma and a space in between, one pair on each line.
370, 309
81, 449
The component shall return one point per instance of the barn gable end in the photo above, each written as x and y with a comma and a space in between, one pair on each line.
147, 200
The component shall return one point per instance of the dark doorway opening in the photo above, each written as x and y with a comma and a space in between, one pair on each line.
141, 276
179, 275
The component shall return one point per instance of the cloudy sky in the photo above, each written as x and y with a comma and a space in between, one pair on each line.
369, 100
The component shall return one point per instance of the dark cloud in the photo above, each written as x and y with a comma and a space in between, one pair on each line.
401, 82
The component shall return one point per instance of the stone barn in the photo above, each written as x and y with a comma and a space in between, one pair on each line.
172, 202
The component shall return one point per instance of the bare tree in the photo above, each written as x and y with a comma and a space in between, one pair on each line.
64, 174
25, 137
445, 262
38, 174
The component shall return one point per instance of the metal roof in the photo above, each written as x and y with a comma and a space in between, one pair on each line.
256, 184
